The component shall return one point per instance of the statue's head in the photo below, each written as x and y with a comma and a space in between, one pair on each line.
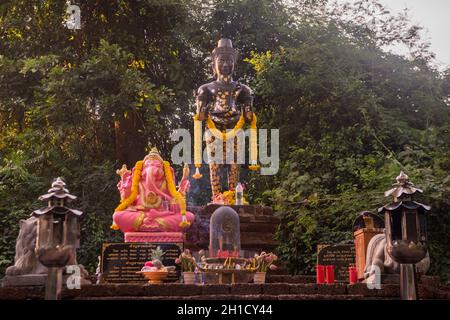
154, 156
224, 58
153, 161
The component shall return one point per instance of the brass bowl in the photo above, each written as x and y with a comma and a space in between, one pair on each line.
155, 277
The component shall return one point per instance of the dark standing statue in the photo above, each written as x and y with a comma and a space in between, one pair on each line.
224, 101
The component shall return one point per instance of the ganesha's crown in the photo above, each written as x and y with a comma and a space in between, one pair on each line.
123, 170
154, 155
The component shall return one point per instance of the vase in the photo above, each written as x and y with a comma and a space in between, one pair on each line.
260, 277
189, 277
155, 277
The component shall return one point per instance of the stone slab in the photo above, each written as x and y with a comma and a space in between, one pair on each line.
341, 256
121, 261
24, 280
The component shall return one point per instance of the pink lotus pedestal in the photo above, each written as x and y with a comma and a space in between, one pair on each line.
174, 237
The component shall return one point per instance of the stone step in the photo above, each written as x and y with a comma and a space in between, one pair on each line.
226, 291
286, 278
258, 297
176, 289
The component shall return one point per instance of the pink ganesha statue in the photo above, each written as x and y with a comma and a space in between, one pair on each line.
150, 202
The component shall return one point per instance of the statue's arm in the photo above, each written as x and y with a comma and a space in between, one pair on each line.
184, 184
246, 100
202, 101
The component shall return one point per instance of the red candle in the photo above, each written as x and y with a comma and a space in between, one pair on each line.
330, 274
320, 274
352, 275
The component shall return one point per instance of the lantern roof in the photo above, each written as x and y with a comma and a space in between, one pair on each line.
411, 205
403, 187
57, 191
48, 209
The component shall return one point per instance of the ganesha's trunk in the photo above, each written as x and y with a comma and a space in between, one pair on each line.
150, 182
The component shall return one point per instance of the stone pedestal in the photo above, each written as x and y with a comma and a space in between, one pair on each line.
154, 237
24, 280
31, 280
362, 239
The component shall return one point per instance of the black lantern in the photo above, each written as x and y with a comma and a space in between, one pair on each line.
406, 232
57, 235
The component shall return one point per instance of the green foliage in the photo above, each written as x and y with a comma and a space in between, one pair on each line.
357, 116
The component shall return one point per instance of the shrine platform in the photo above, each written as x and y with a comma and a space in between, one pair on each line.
278, 287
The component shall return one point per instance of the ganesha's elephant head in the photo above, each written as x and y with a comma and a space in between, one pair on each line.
153, 175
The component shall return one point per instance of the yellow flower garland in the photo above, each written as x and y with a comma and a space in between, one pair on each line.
134, 191
229, 196
224, 135
253, 145
197, 147
134, 187
181, 201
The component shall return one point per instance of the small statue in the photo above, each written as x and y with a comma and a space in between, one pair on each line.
224, 104
378, 259
25, 261
150, 200
380, 254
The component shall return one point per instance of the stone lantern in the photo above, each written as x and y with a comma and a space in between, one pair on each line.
406, 232
57, 235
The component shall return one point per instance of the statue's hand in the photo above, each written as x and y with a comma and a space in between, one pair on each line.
185, 171
201, 116
249, 116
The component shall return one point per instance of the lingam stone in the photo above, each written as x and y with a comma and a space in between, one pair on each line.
224, 233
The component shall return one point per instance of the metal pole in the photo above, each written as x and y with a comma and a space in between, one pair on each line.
408, 287
54, 284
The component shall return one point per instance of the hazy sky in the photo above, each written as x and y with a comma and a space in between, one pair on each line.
434, 16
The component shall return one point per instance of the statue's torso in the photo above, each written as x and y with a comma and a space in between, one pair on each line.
225, 102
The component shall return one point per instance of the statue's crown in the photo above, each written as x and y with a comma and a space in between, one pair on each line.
402, 188
123, 170
154, 155
224, 46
